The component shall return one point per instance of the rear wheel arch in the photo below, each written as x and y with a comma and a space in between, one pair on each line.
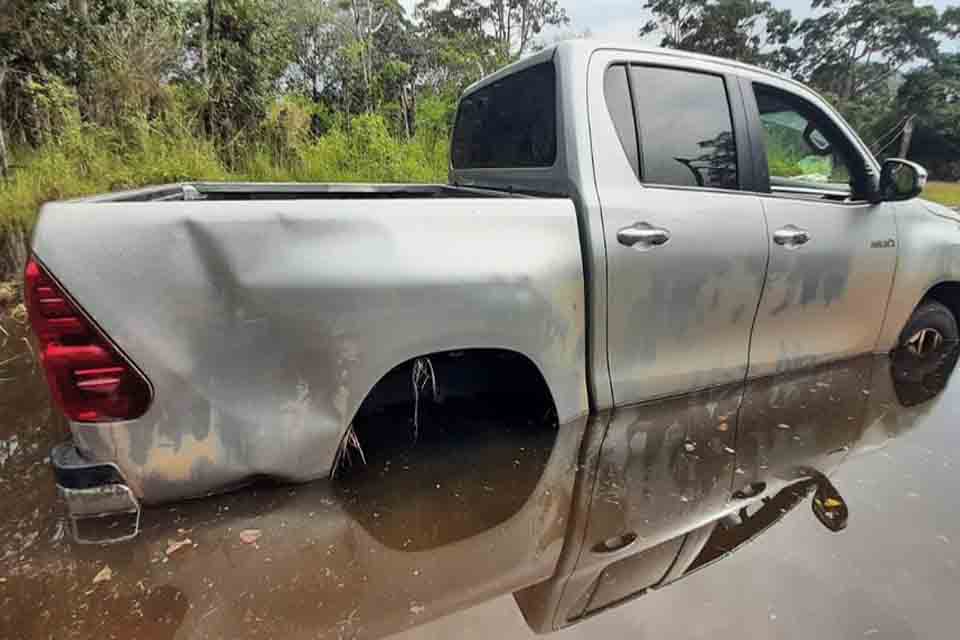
490, 377
472, 370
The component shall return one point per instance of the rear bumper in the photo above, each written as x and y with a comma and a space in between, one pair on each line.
94, 493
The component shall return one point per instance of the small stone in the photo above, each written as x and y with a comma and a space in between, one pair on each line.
249, 536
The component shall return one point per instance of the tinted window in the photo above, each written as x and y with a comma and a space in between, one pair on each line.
802, 148
686, 134
616, 92
510, 123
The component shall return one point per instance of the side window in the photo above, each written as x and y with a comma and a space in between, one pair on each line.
511, 123
803, 148
616, 92
686, 132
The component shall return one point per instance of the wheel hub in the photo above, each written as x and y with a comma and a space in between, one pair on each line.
925, 342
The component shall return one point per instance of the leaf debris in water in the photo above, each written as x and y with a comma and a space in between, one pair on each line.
103, 575
249, 536
174, 546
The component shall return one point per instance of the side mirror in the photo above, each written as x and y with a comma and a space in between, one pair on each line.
828, 505
901, 180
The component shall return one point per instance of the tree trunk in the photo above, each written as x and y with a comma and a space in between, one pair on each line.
405, 110
4, 162
84, 93
413, 110
907, 138
209, 46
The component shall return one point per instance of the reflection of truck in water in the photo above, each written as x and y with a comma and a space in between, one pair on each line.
616, 269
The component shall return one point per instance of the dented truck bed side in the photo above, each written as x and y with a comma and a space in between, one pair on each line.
262, 325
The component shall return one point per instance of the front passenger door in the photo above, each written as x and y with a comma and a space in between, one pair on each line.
832, 253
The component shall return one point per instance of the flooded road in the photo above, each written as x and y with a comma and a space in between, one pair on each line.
473, 511
893, 574
388, 544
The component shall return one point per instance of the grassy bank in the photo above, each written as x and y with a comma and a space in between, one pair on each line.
88, 160
946, 193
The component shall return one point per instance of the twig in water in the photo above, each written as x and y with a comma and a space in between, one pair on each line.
11, 359
350, 441
33, 356
421, 375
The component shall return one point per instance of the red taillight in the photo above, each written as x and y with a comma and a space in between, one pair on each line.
89, 380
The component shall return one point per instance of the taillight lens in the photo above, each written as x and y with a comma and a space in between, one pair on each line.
88, 378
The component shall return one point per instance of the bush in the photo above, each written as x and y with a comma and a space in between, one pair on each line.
84, 158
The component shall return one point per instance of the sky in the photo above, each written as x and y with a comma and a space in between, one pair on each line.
620, 19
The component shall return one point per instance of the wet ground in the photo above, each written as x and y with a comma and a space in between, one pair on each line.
359, 556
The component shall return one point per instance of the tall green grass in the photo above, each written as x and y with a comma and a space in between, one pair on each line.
86, 159
946, 193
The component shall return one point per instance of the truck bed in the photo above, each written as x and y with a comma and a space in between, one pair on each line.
262, 319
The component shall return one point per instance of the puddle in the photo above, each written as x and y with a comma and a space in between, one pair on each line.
481, 472
473, 508
470, 509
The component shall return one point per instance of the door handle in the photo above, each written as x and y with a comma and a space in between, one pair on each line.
643, 234
791, 236
752, 490
616, 543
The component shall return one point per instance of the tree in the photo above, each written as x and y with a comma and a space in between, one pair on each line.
317, 31
367, 18
457, 48
35, 42
747, 30
515, 23
503, 29
243, 50
130, 55
932, 95
852, 47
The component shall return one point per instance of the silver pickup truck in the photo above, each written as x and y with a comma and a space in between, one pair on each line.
632, 245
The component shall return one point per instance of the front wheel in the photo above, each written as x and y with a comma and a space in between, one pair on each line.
926, 353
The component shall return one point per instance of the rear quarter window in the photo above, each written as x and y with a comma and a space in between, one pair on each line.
510, 123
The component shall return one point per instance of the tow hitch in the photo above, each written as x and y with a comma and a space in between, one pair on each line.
101, 508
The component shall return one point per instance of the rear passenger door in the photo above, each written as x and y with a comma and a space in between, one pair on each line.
686, 254
686, 242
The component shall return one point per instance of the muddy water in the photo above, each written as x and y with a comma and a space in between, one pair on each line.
358, 557
28, 428
472, 508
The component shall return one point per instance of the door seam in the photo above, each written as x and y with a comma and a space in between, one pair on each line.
753, 327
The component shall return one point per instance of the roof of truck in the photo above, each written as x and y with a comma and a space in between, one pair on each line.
586, 46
